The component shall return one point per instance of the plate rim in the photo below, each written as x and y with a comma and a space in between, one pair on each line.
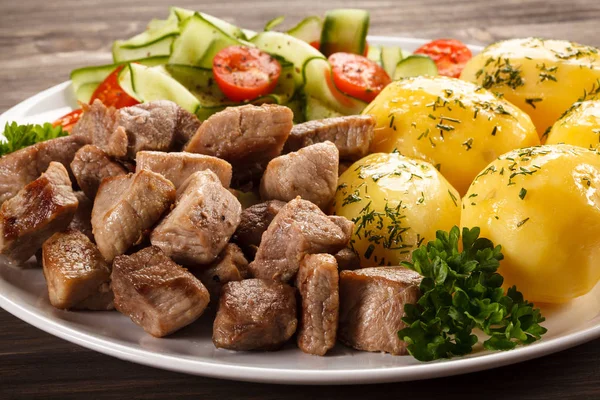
196, 366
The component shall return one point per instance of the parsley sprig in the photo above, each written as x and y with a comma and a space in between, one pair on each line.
19, 136
461, 291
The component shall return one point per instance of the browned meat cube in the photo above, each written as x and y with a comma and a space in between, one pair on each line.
26, 165
125, 207
202, 222
347, 259
158, 125
318, 284
254, 222
300, 228
230, 266
311, 173
247, 136
352, 135
97, 123
157, 294
82, 220
76, 273
90, 165
177, 167
255, 314
40, 209
372, 306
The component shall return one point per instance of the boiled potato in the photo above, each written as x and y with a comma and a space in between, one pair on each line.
542, 204
450, 123
579, 126
396, 204
542, 77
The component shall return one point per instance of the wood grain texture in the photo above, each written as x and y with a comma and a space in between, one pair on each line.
42, 41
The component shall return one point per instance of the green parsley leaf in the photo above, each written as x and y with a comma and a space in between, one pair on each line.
461, 291
19, 136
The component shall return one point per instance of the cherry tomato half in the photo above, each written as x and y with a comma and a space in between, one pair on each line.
245, 73
449, 55
357, 76
108, 92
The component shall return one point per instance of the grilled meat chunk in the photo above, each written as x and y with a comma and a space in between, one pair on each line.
311, 173
177, 167
298, 229
372, 306
157, 294
247, 136
202, 222
40, 209
76, 273
125, 207
97, 124
318, 284
230, 266
23, 166
347, 259
90, 165
158, 125
352, 135
255, 314
253, 223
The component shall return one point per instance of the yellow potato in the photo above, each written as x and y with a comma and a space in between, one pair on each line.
450, 123
542, 77
542, 204
580, 126
396, 203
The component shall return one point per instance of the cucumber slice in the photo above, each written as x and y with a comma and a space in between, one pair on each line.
230, 29
374, 54
390, 57
415, 65
308, 30
289, 48
198, 42
154, 83
315, 109
273, 23
319, 85
86, 80
161, 48
297, 105
345, 30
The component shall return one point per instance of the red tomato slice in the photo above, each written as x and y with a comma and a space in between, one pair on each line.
357, 76
450, 55
69, 120
108, 92
245, 73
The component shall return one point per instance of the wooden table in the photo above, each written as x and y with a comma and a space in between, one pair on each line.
42, 41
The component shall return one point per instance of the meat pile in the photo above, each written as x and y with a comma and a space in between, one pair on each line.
139, 210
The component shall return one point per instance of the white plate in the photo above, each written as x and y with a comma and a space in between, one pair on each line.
23, 293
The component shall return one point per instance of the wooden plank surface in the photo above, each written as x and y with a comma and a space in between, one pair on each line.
41, 41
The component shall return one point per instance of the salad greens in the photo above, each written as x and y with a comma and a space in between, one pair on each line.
19, 136
461, 291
